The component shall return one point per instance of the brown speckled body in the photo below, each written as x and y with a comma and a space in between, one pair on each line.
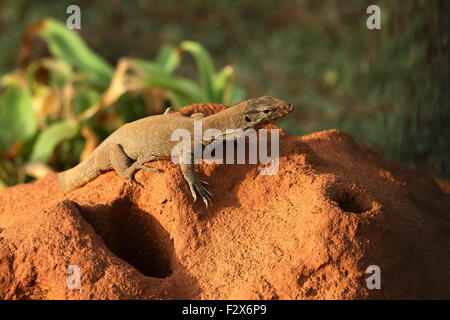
149, 139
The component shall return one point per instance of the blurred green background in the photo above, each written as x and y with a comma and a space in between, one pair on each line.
388, 88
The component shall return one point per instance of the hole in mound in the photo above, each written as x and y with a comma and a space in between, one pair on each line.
351, 200
133, 235
32, 293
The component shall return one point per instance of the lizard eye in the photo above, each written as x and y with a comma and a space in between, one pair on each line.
266, 111
247, 118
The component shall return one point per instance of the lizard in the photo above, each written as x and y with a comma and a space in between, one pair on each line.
148, 139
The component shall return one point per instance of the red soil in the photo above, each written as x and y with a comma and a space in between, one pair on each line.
308, 232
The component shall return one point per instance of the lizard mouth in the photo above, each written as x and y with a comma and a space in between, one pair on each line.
281, 112
287, 109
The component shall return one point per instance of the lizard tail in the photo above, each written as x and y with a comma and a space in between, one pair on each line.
79, 175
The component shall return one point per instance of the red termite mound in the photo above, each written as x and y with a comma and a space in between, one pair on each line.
308, 232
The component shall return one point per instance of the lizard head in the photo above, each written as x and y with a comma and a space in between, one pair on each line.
254, 113
258, 112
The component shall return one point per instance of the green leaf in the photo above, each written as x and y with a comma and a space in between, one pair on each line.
61, 72
17, 117
168, 59
180, 91
179, 100
130, 107
85, 99
69, 46
222, 84
49, 139
204, 65
148, 67
177, 86
237, 94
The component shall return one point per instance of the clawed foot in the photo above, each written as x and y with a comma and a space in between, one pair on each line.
197, 187
134, 168
141, 166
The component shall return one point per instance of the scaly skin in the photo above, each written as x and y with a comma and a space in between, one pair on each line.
148, 139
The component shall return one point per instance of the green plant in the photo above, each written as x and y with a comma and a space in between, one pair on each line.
54, 111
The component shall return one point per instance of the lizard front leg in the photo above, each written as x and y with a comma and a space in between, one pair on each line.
195, 184
114, 156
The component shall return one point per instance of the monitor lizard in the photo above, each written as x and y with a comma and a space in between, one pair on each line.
148, 139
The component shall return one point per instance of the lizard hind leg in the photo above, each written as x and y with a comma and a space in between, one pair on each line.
139, 164
123, 165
